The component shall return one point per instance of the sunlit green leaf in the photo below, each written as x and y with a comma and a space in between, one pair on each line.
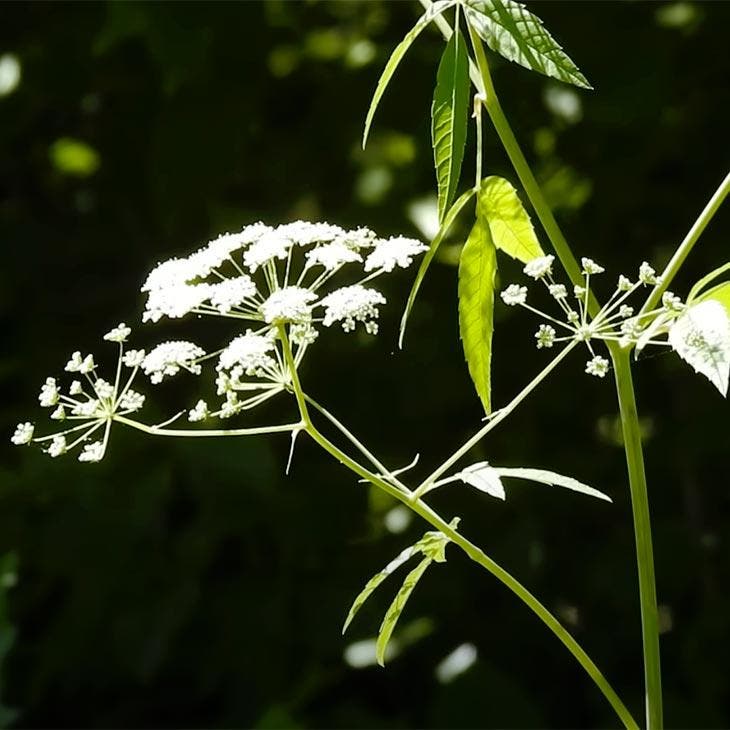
396, 608
511, 30
376, 580
552, 479
509, 224
477, 272
397, 56
483, 477
449, 115
701, 337
719, 293
426, 260
705, 280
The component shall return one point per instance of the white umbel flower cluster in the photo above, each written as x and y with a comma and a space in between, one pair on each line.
89, 405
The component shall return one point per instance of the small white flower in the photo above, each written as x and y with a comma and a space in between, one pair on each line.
624, 283
303, 334
87, 365
305, 233
332, 255
290, 304
671, 302
133, 358
76, 388
579, 291
250, 351
131, 401
392, 252
631, 329
74, 363
199, 413
647, 275
58, 446
573, 317
92, 452
272, 245
119, 333
558, 291
103, 389
591, 267
23, 434
539, 267
168, 357
88, 409
514, 294
59, 414
545, 336
230, 293
352, 304
174, 301
49, 393
598, 366
625, 311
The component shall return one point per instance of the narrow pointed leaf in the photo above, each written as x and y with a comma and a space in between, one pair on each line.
428, 258
701, 337
552, 479
396, 608
477, 272
376, 580
511, 30
449, 115
509, 224
705, 280
397, 56
483, 477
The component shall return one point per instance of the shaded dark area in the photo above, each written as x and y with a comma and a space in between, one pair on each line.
193, 584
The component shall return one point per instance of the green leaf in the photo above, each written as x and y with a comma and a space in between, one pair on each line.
376, 580
552, 479
509, 224
397, 56
511, 30
396, 608
430, 254
719, 293
701, 337
705, 280
449, 115
477, 272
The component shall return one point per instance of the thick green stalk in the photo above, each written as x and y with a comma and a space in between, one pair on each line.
477, 555
642, 531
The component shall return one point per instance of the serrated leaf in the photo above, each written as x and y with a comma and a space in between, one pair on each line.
483, 477
719, 293
511, 30
701, 337
705, 280
477, 272
428, 258
509, 224
396, 57
376, 580
396, 608
449, 115
552, 479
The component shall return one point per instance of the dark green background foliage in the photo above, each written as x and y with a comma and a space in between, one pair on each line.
193, 584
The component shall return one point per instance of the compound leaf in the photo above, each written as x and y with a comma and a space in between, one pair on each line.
449, 115
511, 30
477, 273
397, 56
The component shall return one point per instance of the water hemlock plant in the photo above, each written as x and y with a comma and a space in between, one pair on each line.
280, 286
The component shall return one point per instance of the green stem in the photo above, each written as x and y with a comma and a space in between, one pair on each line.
155, 431
687, 244
642, 530
477, 555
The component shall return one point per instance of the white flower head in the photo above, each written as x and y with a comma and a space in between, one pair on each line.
23, 434
49, 393
514, 294
87, 365
75, 388
392, 252
230, 293
304, 233
174, 301
671, 302
251, 352
332, 255
625, 311
291, 304
624, 284
579, 291
119, 333
169, 357
591, 267
58, 446
103, 389
133, 358
92, 452
272, 245
558, 291
597, 366
539, 267
74, 363
131, 401
647, 275
545, 336
59, 414
352, 304
199, 413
